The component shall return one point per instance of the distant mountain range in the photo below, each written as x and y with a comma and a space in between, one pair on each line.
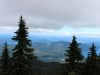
49, 51
51, 48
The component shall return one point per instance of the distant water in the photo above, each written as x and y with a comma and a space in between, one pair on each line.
9, 42
12, 42
85, 53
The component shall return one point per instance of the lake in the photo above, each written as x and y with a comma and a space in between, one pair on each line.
85, 53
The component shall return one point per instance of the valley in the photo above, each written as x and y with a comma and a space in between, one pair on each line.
50, 51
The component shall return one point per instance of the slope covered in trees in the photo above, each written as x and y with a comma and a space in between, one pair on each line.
50, 51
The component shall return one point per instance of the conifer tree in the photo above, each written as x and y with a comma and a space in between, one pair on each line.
91, 67
4, 62
73, 54
23, 52
98, 63
99, 60
86, 68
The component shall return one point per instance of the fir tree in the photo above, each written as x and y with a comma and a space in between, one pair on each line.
99, 60
98, 63
91, 67
23, 53
86, 68
4, 62
73, 54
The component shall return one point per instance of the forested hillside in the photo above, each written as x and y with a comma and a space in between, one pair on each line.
49, 51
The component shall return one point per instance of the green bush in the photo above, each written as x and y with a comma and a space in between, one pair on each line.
72, 73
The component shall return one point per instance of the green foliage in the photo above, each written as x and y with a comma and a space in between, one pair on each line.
22, 51
74, 53
72, 73
91, 67
98, 63
5, 59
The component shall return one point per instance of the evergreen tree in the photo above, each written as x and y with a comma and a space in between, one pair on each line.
4, 62
73, 54
86, 68
98, 63
22, 56
99, 60
91, 67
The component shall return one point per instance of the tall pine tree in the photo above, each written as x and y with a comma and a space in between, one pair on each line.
99, 60
23, 53
98, 63
4, 62
73, 54
91, 67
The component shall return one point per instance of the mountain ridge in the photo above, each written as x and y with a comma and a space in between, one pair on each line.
49, 51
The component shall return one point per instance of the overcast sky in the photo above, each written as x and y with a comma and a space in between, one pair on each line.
52, 17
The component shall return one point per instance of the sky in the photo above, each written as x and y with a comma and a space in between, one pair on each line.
52, 17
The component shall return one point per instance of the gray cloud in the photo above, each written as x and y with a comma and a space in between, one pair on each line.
51, 14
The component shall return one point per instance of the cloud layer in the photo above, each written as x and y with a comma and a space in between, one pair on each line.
49, 15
